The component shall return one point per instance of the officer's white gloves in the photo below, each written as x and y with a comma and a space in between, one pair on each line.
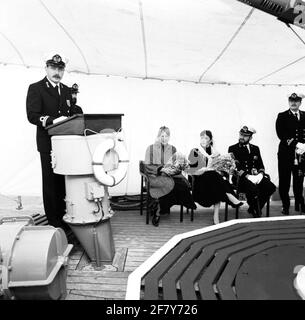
59, 119
251, 178
260, 176
300, 148
256, 179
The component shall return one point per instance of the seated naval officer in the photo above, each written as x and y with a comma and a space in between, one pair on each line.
251, 178
290, 129
49, 101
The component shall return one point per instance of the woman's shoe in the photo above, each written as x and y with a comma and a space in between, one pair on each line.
155, 220
235, 205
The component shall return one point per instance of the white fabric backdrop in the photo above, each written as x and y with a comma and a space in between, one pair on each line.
186, 108
182, 37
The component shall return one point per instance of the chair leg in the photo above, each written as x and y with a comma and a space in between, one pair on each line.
147, 208
259, 208
192, 214
268, 208
236, 213
181, 213
226, 211
141, 197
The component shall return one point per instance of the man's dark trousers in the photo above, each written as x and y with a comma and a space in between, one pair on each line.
286, 167
53, 189
257, 194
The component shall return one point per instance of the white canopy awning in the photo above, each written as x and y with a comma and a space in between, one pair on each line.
166, 39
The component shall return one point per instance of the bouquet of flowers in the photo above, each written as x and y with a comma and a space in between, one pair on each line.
176, 164
223, 164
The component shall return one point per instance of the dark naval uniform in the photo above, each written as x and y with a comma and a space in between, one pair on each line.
290, 130
250, 162
43, 105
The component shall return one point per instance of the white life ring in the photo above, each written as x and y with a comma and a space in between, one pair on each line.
117, 175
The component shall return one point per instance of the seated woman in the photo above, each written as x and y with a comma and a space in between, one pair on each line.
209, 169
168, 186
161, 151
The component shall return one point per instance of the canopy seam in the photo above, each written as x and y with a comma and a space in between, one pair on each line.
14, 47
228, 44
287, 65
68, 34
143, 36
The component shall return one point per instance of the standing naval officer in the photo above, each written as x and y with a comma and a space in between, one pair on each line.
251, 177
75, 108
49, 101
290, 129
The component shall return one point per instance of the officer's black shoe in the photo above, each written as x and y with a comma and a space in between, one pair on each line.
256, 214
251, 211
259, 213
285, 211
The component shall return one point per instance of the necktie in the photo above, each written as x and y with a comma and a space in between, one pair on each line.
56, 89
296, 115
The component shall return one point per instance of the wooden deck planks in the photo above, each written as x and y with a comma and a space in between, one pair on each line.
100, 295
134, 238
97, 280
138, 241
135, 241
99, 274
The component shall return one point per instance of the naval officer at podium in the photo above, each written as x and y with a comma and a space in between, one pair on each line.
49, 101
